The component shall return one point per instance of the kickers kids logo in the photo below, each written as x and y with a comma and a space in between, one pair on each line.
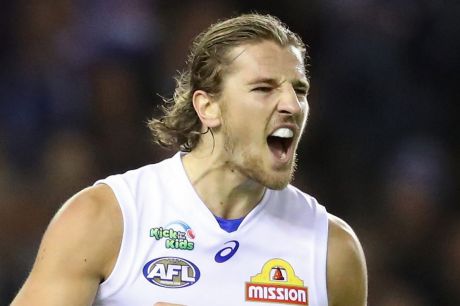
177, 235
277, 283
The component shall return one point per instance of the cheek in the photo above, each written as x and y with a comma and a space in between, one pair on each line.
245, 122
305, 107
246, 133
305, 111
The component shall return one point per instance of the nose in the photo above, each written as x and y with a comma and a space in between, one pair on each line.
289, 102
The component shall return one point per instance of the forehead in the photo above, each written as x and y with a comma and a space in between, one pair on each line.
267, 60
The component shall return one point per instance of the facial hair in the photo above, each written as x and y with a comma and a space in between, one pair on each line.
243, 159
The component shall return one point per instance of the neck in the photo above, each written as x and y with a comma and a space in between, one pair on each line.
227, 192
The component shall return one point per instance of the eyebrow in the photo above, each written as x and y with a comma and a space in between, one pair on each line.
270, 81
303, 84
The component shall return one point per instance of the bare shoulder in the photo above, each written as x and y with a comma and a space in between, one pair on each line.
346, 266
92, 219
77, 252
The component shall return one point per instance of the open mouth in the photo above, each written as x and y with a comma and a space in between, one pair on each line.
280, 142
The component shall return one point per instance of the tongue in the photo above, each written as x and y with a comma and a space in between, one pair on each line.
276, 146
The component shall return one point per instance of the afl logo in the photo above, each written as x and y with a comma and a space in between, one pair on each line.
171, 272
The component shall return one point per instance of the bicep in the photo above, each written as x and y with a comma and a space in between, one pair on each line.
73, 257
346, 266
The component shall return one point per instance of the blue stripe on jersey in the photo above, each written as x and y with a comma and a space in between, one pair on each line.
229, 225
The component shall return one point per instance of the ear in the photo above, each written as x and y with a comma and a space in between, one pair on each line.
207, 108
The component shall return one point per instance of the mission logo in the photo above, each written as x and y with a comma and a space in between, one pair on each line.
277, 283
171, 272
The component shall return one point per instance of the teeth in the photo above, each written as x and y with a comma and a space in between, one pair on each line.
283, 133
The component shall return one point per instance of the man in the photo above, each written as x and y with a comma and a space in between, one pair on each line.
218, 223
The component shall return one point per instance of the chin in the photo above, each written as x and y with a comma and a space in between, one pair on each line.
277, 182
265, 173
279, 179
277, 186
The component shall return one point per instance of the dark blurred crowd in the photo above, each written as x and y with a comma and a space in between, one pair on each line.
79, 80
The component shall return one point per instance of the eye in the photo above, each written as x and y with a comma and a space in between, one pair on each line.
301, 92
263, 89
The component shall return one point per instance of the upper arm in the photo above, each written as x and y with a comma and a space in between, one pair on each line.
77, 252
346, 266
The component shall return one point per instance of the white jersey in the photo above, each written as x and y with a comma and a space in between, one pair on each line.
174, 250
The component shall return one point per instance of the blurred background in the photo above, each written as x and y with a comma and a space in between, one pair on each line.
79, 80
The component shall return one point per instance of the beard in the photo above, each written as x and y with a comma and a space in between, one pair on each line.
243, 159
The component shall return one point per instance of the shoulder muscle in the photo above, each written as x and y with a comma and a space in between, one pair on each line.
78, 250
346, 266
89, 224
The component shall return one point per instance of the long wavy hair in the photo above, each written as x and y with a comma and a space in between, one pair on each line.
180, 127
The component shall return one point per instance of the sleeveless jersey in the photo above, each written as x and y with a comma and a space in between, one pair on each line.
173, 249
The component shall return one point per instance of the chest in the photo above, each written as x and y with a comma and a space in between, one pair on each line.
173, 250
191, 261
